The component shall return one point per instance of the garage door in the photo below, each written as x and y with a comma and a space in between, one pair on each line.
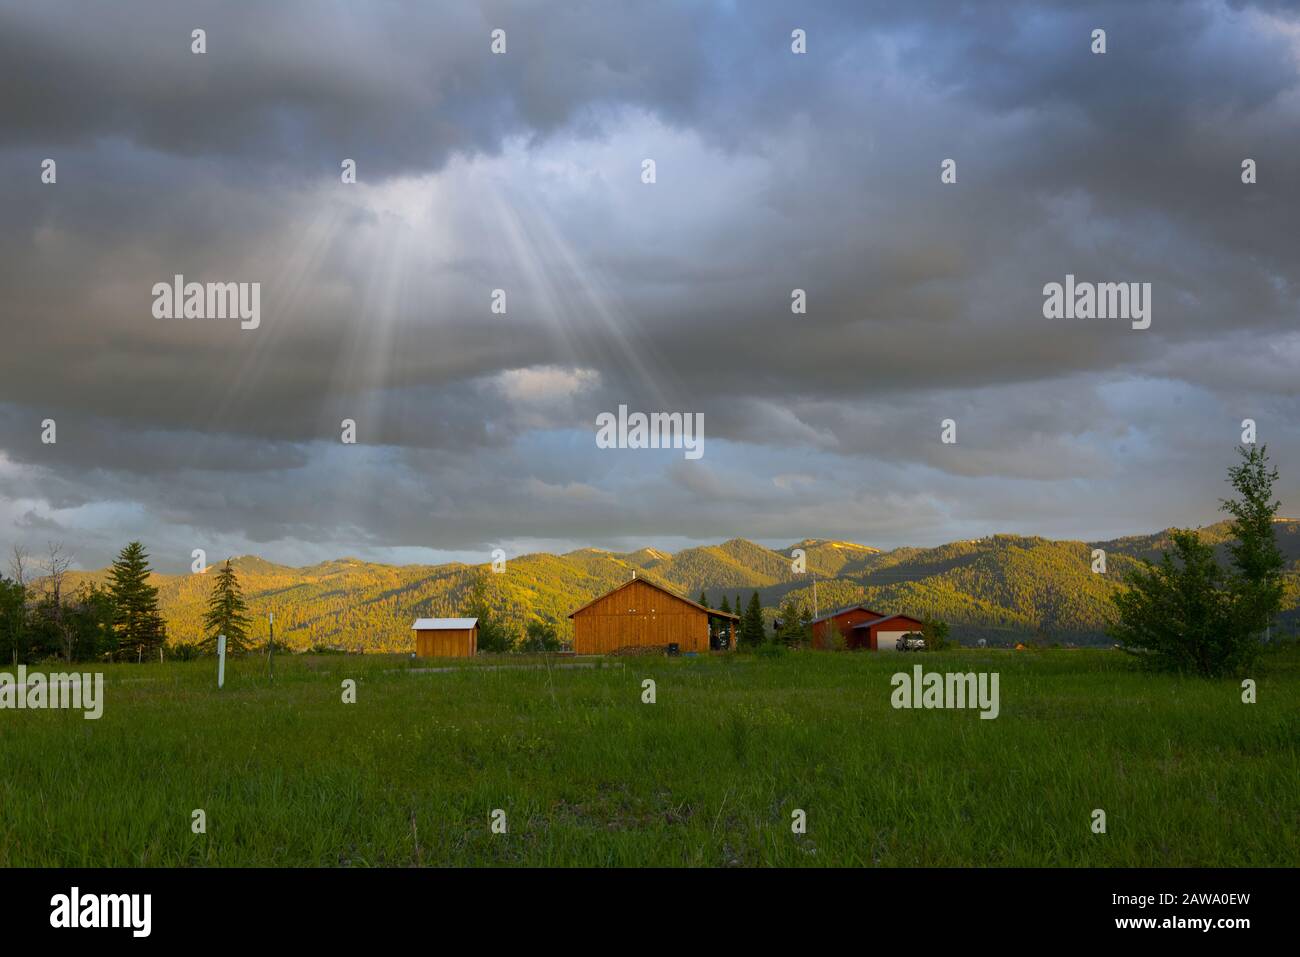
888, 640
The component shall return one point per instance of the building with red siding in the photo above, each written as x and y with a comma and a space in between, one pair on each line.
863, 628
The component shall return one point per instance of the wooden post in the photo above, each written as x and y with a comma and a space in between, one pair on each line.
731, 622
221, 660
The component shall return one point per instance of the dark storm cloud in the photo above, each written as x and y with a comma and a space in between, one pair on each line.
521, 172
404, 84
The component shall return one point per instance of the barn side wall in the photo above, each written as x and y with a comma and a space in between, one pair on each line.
639, 615
845, 620
446, 643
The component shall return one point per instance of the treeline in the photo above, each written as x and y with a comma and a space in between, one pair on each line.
359, 606
1002, 589
751, 632
43, 616
792, 627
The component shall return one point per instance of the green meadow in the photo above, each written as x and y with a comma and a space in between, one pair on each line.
708, 775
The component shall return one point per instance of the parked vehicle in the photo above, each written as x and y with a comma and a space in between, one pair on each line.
912, 641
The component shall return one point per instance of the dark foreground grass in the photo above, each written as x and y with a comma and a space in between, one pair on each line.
708, 775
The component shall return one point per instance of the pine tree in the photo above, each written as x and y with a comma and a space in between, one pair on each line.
226, 613
725, 607
138, 628
704, 599
751, 624
793, 618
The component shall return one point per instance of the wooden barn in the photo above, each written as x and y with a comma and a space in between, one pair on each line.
883, 633
639, 613
863, 628
446, 637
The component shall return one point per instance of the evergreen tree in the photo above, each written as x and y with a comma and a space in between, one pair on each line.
725, 607
704, 599
794, 619
751, 624
226, 613
138, 628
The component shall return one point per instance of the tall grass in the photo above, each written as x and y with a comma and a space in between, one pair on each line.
708, 775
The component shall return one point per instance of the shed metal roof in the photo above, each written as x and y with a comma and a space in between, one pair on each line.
443, 624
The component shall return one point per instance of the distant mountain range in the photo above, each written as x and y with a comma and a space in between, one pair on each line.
1004, 588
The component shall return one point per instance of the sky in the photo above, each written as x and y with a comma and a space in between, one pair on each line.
524, 171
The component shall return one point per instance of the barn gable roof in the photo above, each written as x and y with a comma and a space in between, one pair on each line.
444, 624
882, 620
847, 608
670, 594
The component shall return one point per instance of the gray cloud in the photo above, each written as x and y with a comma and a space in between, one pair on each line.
521, 172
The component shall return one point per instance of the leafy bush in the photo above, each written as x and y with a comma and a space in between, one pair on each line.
935, 633
184, 651
833, 638
540, 636
494, 634
1189, 614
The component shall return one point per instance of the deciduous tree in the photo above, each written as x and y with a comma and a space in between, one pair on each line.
1188, 614
493, 633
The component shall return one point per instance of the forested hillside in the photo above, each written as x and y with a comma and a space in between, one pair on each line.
1004, 588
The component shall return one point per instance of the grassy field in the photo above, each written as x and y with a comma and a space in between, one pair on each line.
708, 775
